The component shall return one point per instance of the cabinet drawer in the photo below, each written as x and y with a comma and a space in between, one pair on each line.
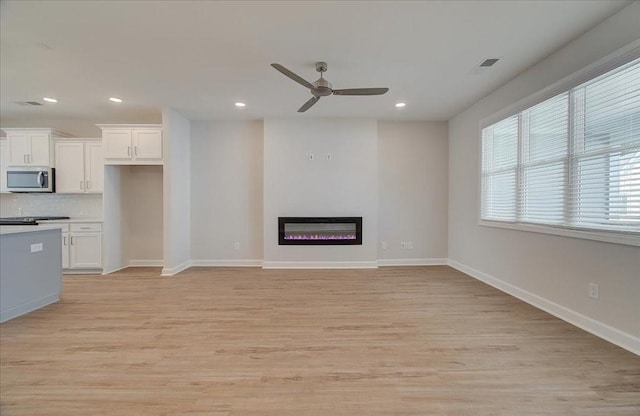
63, 227
86, 226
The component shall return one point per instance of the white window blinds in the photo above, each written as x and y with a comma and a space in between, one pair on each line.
571, 161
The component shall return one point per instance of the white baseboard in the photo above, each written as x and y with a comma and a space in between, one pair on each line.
104, 272
175, 270
597, 328
82, 271
146, 263
320, 265
413, 262
226, 263
19, 310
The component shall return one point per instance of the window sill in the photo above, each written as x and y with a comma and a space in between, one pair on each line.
605, 236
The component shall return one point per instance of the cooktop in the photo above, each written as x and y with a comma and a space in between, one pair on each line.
29, 220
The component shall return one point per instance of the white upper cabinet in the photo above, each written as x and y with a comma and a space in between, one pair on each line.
79, 166
94, 166
4, 162
117, 143
132, 144
31, 147
147, 144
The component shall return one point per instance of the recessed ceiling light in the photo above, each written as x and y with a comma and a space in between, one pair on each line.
50, 100
115, 99
400, 105
240, 104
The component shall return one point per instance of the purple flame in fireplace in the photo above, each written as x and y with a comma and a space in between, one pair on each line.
320, 237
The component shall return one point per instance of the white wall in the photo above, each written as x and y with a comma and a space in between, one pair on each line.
143, 208
346, 185
413, 191
114, 244
550, 271
226, 192
176, 191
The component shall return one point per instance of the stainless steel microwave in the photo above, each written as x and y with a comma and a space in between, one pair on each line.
30, 179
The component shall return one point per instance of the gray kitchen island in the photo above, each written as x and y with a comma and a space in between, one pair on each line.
30, 268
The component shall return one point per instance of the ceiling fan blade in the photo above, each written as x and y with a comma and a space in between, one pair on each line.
361, 91
308, 104
297, 78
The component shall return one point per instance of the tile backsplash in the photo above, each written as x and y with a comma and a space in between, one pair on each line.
74, 206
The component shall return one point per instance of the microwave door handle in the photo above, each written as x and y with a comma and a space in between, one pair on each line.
40, 179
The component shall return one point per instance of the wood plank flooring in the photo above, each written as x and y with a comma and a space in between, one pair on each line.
247, 341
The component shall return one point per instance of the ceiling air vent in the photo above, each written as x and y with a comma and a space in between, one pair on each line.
488, 62
34, 103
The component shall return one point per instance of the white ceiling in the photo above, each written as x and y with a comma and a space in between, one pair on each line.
199, 57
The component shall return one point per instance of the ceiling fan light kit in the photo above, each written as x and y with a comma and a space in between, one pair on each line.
322, 88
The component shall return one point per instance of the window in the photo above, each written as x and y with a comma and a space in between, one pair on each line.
571, 161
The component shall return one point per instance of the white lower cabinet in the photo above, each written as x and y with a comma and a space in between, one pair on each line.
82, 246
85, 250
65, 250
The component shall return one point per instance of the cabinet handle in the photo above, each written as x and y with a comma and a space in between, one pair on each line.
128, 150
87, 185
82, 185
71, 240
64, 241
136, 150
85, 228
24, 158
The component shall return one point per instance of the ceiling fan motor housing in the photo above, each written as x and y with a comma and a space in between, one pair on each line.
322, 88
321, 66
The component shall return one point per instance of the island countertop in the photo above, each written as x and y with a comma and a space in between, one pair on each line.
17, 229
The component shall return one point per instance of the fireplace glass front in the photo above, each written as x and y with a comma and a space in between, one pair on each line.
319, 230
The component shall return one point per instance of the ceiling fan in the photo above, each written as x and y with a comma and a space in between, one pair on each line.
322, 87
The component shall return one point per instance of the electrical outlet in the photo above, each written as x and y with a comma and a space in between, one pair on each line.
594, 290
310, 156
236, 245
383, 245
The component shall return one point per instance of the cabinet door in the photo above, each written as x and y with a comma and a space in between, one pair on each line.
18, 148
147, 144
85, 250
117, 143
4, 162
40, 149
69, 168
65, 250
93, 167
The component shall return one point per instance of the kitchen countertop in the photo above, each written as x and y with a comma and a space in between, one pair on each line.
16, 229
44, 225
70, 220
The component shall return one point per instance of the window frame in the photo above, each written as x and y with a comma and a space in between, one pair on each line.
621, 57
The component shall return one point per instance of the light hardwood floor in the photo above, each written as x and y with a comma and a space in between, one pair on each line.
247, 341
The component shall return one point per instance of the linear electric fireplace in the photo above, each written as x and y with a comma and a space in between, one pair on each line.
319, 230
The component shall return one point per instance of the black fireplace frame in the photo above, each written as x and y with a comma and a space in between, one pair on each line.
319, 220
